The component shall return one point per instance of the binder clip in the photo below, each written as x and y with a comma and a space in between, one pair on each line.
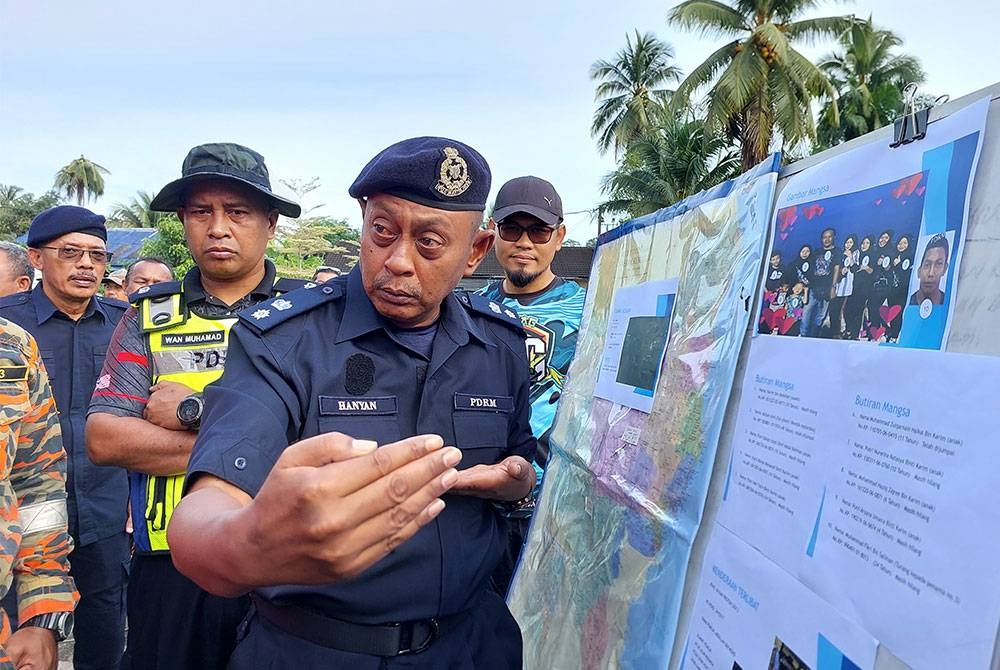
912, 125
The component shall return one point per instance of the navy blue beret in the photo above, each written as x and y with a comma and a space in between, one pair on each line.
58, 221
432, 171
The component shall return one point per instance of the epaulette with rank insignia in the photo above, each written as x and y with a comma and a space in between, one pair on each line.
155, 291
114, 302
284, 285
15, 299
482, 305
266, 315
159, 306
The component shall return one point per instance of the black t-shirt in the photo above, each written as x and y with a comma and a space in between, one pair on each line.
775, 275
822, 263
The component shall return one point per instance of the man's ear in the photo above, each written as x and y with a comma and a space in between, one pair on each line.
560, 236
23, 283
272, 223
482, 242
35, 258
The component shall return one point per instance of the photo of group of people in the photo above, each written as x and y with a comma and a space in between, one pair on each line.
841, 267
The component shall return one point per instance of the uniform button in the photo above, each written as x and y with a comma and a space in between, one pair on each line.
464, 299
328, 290
240, 463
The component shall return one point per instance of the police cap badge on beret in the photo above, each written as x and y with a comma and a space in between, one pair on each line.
222, 160
63, 219
432, 171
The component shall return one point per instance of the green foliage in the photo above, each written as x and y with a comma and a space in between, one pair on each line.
137, 214
81, 179
666, 165
298, 251
869, 80
170, 244
630, 93
759, 86
18, 208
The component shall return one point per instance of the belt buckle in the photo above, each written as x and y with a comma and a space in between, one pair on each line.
431, 635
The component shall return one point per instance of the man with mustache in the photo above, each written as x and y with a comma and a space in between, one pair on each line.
73, 326
351, 564
145, 410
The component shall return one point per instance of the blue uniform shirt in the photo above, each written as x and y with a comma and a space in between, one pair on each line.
322, 359
73, 352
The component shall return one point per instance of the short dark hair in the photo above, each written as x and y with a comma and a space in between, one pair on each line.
147, 259
325, 268
939, 241
17, 258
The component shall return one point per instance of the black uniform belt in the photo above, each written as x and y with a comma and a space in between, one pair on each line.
407, 637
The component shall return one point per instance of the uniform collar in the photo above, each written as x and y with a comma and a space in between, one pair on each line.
194, 290
45, 309
361, 317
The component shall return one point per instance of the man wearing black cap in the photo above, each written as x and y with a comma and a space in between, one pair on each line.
72, 326
528, 222
351, 564
145, 410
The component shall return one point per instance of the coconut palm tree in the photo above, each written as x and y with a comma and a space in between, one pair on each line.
137, 214
869, 79
668, 164
760, 85
82, 179
630, 90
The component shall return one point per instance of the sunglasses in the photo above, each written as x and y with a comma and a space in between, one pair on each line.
72, 254
511, 232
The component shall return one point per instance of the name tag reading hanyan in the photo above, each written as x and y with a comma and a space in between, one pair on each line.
485, 403
353, 405
13, 373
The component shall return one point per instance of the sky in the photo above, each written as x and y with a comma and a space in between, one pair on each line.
319, 89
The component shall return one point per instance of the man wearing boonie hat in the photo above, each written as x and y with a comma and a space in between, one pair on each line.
319, 481
114, 285
528, 223
73, 325
145, 411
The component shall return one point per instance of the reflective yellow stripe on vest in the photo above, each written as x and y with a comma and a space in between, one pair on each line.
193, 353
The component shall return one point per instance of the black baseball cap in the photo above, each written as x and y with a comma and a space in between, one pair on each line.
222, 160
531, 195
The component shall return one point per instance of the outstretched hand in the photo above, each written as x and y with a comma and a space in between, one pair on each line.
511, 479
330, 507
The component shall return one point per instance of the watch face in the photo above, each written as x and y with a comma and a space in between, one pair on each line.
189, 411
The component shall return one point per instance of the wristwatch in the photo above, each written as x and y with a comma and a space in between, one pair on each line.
189, 411
517, 509
60, 623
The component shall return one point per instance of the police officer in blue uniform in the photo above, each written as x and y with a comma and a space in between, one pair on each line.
381, 560
73, 325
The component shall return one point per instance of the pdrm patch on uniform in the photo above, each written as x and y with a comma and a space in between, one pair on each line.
484, 403
13, 373
354, 406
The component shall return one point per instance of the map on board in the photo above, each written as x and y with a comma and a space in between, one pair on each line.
604, 565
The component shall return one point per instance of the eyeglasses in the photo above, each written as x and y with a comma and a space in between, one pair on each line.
72, 254
511, 232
